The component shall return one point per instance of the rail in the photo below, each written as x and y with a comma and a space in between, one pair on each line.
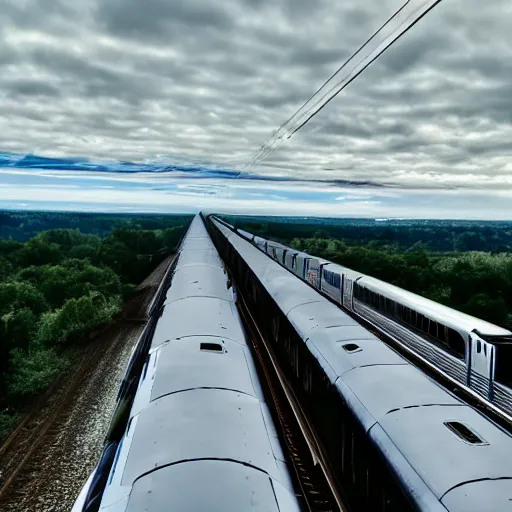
307, 454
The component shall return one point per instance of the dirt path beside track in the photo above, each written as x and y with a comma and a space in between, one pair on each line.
47, 459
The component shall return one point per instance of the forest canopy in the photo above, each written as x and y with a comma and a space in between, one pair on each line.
57, 286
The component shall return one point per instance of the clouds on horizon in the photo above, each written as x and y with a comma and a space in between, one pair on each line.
206, 83
149, 192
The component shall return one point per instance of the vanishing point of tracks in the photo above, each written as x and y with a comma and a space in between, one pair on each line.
23, 456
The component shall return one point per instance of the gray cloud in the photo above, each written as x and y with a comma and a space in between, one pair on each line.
208, 82
161, 18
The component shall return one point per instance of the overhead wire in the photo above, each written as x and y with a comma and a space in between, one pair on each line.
411, 13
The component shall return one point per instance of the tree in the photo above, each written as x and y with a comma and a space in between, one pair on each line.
32, 372
37, 252
72, 278
76, 317
5, 268
21, 294
483, 305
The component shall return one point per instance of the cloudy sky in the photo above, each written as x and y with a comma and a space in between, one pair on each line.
426, 131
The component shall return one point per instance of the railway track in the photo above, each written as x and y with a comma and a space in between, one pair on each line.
308, 457
25, 453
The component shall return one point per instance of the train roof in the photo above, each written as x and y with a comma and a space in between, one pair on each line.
195, 426
198, 281
334, 267
196, 228
200, 436
226, 231
197, 362
272, 243
191, 257
213, 485
209, 423
198, 316
245, 234
444, 459
223, 222
301, 254
488, 495
434, 310
197, 243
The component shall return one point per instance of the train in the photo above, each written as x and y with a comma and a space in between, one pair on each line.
396, 440
468, 351
198, 434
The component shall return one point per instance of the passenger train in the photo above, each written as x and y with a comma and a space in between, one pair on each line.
396, 440
471, 352
199, 434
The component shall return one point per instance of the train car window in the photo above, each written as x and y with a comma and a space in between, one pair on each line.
456, 343
432, 328
503, 362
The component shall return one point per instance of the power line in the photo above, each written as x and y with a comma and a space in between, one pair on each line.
401, 21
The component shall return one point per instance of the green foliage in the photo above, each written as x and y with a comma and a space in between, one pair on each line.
476, 283
71, 279
5, 268
17, 327
61, 284
22, 226
76, 317
133, 253
8, 420
37, 252
392, 235
32, 372
20, 294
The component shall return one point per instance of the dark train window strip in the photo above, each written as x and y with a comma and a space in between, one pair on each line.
449, 338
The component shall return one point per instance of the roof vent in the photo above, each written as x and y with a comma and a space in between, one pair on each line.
465, 433
212, 347
352, 347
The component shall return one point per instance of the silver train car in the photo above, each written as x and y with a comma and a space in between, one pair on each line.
397, 440
261, 243
245, 234
469, 351
200, 435
473, 352
276, 251
295, 261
